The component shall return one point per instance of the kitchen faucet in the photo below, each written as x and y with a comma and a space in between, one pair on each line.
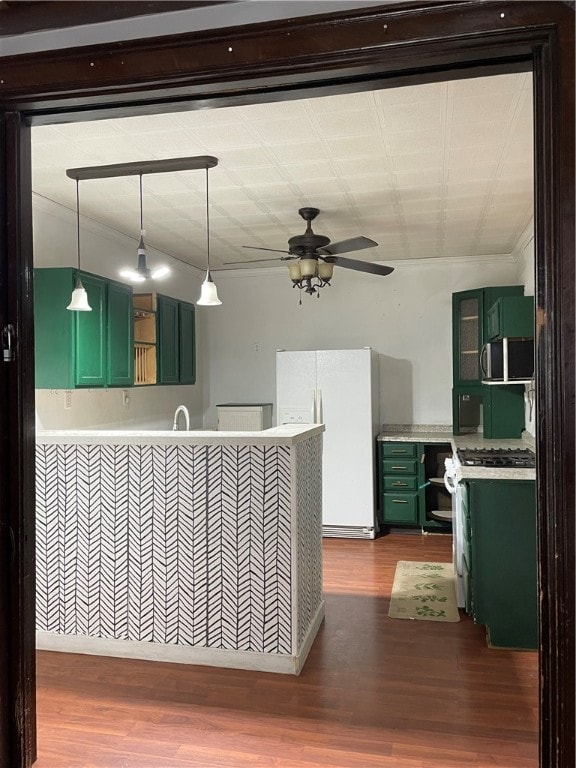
179, 410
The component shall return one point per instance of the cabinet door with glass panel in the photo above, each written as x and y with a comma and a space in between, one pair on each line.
467, 313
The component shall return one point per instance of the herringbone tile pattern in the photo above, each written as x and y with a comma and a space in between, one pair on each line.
167, 544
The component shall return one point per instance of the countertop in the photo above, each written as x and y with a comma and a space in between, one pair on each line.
473, 440
286, 434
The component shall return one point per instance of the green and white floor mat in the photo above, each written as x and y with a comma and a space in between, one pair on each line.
424, 591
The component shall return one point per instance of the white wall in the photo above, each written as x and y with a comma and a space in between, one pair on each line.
104, 252
524, 252
525, 255
406, 318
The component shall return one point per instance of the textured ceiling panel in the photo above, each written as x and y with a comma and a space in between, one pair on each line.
437, 170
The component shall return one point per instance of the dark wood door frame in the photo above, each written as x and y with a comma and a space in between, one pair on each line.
393, 45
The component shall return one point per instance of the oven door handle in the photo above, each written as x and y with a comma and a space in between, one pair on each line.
449, 482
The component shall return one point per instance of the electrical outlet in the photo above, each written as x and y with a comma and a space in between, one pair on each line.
125, 398
68, 399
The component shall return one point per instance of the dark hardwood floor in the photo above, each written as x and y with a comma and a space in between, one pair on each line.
375, 691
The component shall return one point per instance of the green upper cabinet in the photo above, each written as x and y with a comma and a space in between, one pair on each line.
476, 316
470, 329
187, 343
512, 317
176, 341
120, 336
81, 349
467, 310
90, 336
168, 357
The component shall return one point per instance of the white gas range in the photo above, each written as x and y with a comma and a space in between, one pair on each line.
457, 467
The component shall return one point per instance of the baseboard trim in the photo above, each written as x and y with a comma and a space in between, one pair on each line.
348, 532
284, 664
309, 637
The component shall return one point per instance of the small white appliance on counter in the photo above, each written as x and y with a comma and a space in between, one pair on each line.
244, 417
338, 388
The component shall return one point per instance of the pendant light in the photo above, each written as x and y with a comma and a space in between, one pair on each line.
142, 271
208, 292
79, 299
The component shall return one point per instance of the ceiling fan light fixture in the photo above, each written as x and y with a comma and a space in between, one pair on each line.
325, 271
295, 272
308, 267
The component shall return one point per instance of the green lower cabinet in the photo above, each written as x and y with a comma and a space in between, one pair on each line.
400, 480
502, 572
497, 409
400, 508
81, 349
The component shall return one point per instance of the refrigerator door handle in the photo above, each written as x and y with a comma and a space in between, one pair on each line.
319, 415
314, 406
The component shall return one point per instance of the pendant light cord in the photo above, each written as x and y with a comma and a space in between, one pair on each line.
141, 208
207, 227
78, 221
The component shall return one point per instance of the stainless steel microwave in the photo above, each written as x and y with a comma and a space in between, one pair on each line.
507, 360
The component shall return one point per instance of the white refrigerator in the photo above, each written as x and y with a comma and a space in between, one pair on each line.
339, 388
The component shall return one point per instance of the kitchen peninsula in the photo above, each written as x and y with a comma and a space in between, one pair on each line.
192, 547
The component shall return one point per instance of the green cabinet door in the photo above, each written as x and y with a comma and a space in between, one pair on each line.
511, 316
187, 343
81, 349
120, 336
467, 319
90, 335
503, 550
54, 329
167, 318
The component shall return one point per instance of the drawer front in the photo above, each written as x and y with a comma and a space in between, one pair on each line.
400, 507
399, 449
399, 467
393, 483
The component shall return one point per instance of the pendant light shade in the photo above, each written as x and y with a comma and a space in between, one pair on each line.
79, 298
142, 271
208, 292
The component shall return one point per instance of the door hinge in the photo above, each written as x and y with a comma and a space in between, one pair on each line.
8, 343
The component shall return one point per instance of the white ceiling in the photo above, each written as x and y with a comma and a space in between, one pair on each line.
429, 171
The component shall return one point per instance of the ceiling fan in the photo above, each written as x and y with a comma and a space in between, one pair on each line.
314, 256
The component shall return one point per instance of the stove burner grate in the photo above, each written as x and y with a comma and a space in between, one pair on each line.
497, 457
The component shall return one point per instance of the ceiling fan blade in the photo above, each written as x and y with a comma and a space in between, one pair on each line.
253, 261
346, 246
360, 266
258, 248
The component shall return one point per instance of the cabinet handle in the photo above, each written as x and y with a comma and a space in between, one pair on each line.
398, 482
401, 451
397, 467
399, 501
